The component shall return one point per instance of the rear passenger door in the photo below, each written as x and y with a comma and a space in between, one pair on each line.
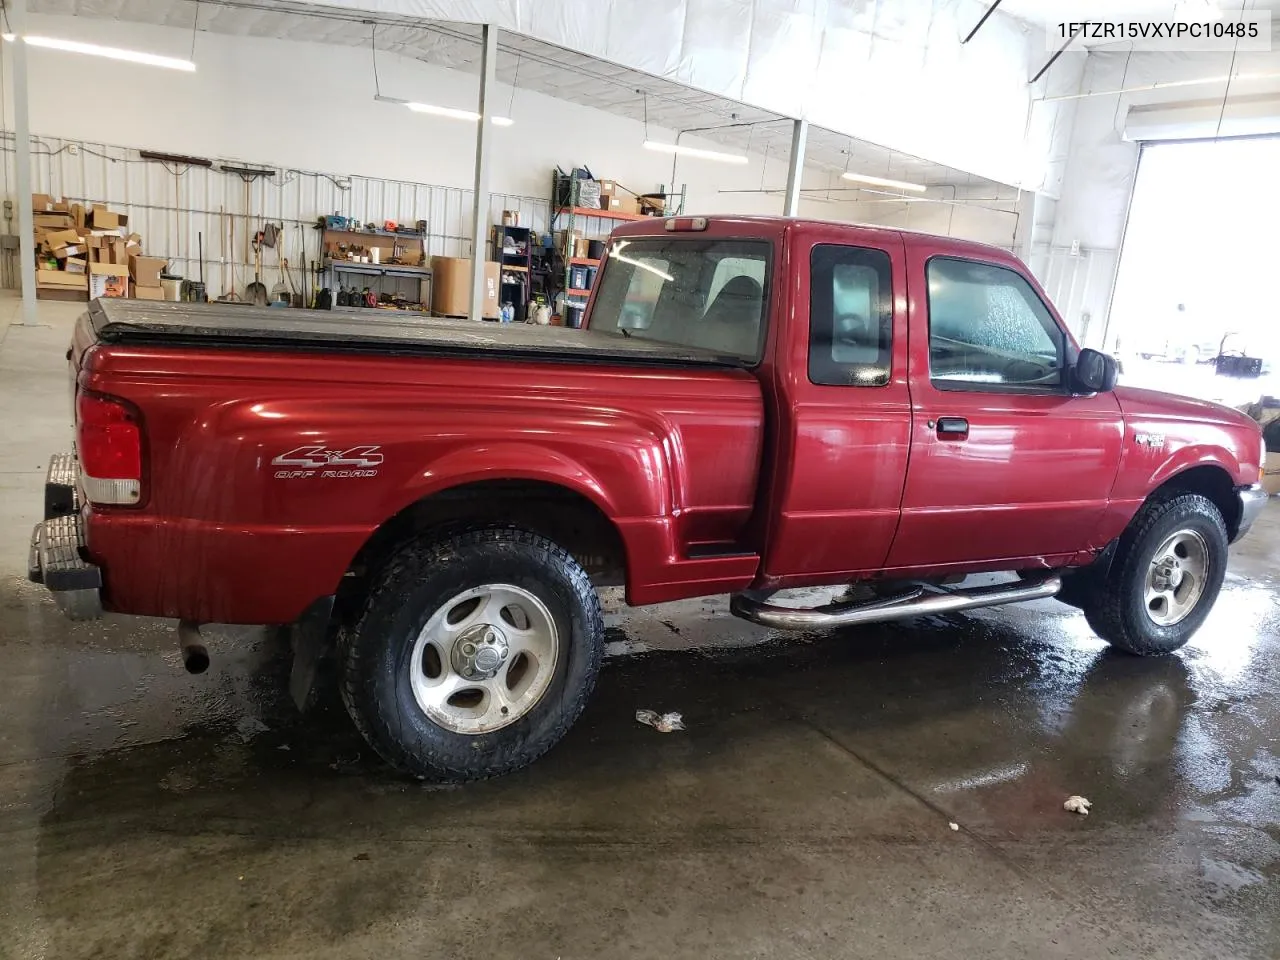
842, 407
1006, 463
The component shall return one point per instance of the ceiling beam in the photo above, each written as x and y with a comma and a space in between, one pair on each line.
978, 26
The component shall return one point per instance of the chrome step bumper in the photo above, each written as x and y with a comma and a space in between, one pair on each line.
916, 603
56, 557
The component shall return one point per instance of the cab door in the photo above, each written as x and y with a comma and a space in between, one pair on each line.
842, 407
1006, 462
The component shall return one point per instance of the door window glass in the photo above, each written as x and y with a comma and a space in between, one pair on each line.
987, 327
850, 316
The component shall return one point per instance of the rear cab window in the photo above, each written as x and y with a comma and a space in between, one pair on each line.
707, 293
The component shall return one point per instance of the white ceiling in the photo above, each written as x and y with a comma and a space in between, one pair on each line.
543, 68
1045, 12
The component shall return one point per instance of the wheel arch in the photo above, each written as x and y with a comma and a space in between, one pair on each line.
1214, 483
563, 515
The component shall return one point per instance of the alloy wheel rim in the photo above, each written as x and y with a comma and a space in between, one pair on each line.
484, 659
1176, 578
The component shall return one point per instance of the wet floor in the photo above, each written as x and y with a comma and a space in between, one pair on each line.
804, 812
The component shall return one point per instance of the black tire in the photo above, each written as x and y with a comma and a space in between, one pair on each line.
376, 685
1117, 611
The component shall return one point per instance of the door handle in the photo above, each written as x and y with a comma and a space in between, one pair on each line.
953, 428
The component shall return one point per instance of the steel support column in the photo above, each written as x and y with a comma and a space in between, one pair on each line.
795, 172
480, 207
17, 10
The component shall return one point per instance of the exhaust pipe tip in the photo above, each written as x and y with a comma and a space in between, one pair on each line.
195, 658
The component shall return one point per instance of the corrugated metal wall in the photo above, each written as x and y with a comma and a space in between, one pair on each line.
175, 207
1079, 285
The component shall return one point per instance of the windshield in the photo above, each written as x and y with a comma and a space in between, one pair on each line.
695, 293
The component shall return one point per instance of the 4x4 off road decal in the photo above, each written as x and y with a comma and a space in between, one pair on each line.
317, 460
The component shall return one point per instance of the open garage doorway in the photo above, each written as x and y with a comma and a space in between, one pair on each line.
1195, 308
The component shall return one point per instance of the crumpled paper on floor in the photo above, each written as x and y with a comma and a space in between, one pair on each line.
663, 723
1077, 805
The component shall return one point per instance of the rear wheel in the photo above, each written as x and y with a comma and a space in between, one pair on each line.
1165, 577
474, 654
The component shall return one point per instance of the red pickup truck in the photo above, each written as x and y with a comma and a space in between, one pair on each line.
757, 403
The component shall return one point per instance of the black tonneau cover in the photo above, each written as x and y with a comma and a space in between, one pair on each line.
235, 325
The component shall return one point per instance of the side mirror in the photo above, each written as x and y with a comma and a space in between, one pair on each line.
1094, 372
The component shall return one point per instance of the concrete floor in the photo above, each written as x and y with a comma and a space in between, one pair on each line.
804, 812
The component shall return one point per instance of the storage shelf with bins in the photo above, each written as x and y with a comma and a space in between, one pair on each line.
568, 214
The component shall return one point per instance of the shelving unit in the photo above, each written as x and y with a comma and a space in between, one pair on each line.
407, 281
513, 252
567, 212
602, 214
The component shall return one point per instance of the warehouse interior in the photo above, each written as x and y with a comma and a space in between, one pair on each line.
456, 168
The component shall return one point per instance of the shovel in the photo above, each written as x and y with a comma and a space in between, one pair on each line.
256, 292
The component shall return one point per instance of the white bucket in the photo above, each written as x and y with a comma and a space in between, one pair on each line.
172, 289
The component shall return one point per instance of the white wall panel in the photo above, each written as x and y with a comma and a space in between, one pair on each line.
175, 207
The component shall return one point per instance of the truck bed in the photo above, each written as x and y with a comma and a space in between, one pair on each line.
241, 326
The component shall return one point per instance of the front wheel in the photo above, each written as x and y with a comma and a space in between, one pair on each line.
474, 655
1165, 577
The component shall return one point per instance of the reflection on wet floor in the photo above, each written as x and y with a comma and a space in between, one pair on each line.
820, 771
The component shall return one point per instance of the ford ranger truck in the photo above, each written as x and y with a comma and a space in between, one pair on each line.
756, 403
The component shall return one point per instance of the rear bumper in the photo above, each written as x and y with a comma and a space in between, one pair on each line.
1252, 500
57, 557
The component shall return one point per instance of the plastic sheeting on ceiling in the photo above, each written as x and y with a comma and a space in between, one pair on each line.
890, 71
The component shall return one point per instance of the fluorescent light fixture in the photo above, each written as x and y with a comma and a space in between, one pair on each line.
1162, 85
882, 182
451, 112
676, 148
111, 53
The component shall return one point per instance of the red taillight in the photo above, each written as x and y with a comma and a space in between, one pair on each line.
109, 444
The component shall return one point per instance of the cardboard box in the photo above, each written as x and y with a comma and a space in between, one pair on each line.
103, 219
145, 271
620, 204
581, 248
70, 250
1271, 474
54, 221
119, 255
451, 287
61, 278
651, 206
146, 293
41, 202
78, 215
57, 238
607, 189
108, 280
76, 265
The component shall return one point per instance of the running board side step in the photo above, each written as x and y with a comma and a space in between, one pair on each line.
915, 603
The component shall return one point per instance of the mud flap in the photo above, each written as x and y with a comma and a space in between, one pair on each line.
308, 635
